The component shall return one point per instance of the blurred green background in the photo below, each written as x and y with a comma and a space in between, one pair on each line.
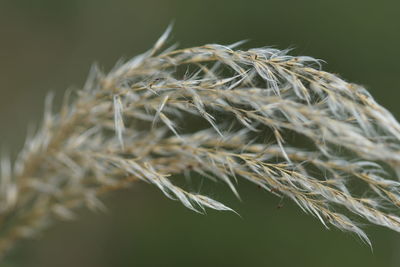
49, 45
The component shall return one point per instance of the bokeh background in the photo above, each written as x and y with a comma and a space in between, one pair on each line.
49, 45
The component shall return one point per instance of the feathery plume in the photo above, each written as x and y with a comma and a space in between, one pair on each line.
134, 124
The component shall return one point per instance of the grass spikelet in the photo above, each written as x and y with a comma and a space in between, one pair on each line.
134, 124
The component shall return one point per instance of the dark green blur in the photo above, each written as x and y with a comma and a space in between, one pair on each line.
49, 45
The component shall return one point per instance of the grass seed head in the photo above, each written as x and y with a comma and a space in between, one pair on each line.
218, 111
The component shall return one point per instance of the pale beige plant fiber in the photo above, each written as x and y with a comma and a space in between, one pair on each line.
142, 121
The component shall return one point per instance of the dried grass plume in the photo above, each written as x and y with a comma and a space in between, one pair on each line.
136, 123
